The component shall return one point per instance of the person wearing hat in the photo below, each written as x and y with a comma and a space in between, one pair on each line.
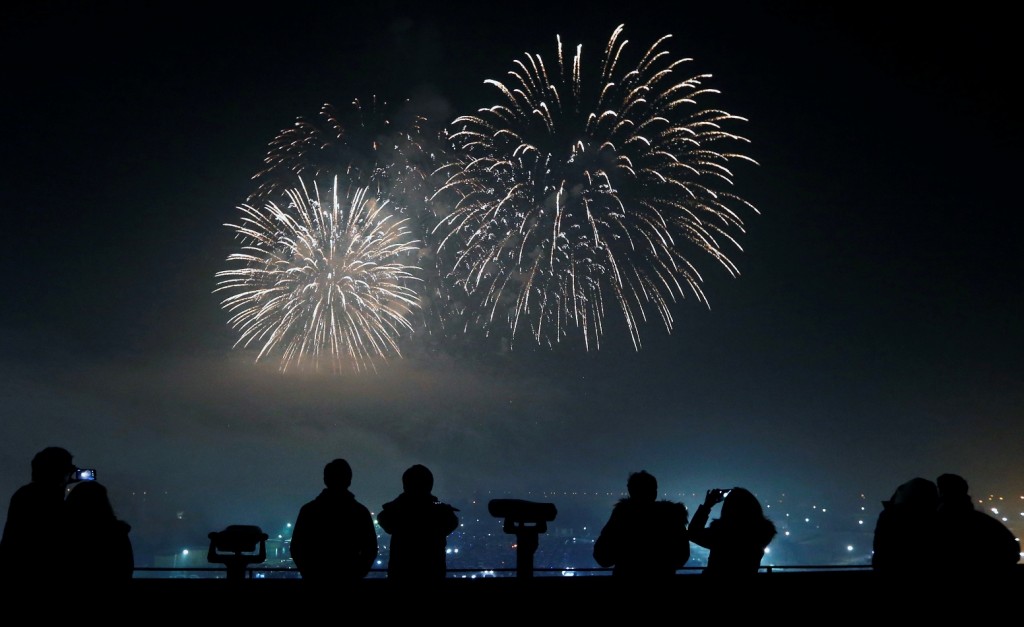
973, 542
419, 525
30, 549
905, 541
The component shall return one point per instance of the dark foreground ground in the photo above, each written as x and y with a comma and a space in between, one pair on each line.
807, 597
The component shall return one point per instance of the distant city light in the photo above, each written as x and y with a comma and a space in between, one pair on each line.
562, 552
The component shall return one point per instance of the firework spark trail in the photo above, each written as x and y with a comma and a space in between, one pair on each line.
362, 142
321, 280
568, 193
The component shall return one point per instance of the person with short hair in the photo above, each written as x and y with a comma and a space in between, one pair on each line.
334, 538
644, 537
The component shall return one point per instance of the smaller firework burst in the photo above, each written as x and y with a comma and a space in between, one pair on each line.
322, 280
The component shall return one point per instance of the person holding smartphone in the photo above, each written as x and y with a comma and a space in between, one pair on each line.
737, 539
30, 550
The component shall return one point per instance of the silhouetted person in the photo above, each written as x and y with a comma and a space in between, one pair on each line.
905, 540
737, 539
97, 545
419, 525
973, 543
644, 537
30, 550
334, 538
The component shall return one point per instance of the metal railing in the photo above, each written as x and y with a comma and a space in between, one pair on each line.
279, 572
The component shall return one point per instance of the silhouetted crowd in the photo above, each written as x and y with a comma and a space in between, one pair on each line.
929, 527
61, 526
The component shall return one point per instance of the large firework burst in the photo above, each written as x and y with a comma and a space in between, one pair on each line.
321, 280
580, 189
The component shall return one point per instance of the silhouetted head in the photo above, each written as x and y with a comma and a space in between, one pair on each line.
741, 510
917, 494
642, 486
88, 501
338, 474
741, 504
52, 465
953, 493
951, 486
418, 480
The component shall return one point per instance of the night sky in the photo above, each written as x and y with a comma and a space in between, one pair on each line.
873, 334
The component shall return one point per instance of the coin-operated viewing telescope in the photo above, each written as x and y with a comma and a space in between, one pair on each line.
235, 547
527, 520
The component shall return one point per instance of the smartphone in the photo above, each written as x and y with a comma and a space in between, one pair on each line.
84, 474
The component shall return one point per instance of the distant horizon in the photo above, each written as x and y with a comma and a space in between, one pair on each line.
819, 541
